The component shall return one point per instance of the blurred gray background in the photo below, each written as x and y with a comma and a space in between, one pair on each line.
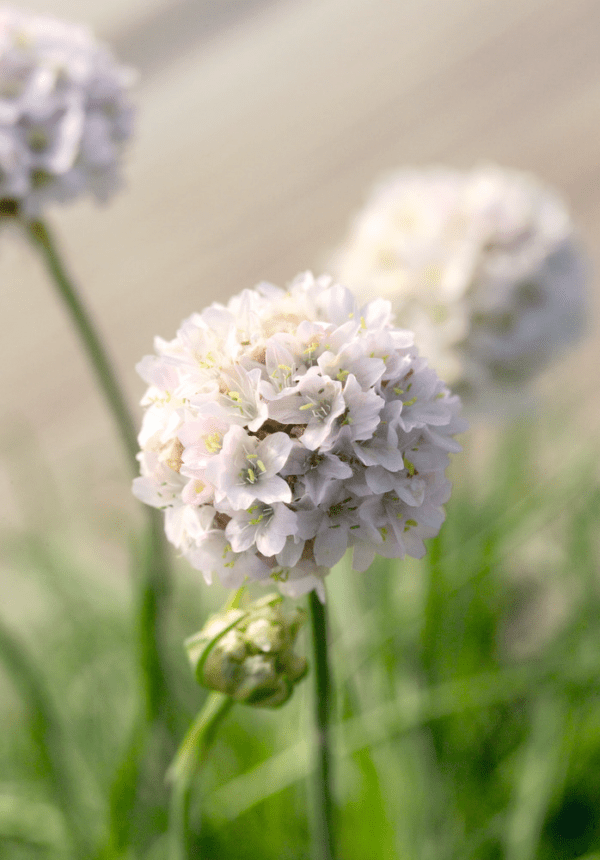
261, 126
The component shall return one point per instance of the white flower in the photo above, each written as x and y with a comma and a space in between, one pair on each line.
315, 401
289, 426
265, 526
482, 265
246, 469
64, 113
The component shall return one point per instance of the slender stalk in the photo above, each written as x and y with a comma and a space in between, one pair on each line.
154, 584
323, 842
152, 565
192, 754
105, 375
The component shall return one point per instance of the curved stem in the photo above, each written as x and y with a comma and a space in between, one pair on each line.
105, 375
154, 585
323, 801
192, 754
153, 582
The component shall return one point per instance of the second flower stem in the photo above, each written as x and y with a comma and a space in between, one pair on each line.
154, 583
323, 800
105, 375
190, 756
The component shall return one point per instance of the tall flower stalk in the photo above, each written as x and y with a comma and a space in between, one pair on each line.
190, 756
154, 587
152, 579
323, 803
91, 341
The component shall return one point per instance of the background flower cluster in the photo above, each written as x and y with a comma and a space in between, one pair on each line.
64, 112
483, 265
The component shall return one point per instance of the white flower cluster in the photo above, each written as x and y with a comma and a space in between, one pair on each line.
482, 265
64, 114
289, 425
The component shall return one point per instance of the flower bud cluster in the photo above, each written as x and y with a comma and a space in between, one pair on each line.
288, 426
64, 114
482, 265
248, 653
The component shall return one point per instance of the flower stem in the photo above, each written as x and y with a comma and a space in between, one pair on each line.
154, 583
322, 801
105, 375
191, 754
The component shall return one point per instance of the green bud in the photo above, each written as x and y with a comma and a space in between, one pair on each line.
248, 653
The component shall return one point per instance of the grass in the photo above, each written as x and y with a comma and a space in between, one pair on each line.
467, 699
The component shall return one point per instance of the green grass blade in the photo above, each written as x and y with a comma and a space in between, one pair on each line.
536, 777
50, 738
30, 821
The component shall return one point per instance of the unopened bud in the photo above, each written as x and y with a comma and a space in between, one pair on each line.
248, 653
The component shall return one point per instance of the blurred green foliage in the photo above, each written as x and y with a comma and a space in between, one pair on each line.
468, 698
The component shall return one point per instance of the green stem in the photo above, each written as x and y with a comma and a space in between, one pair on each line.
191, 754
322, 801
153, 598
153, 582
154, 585
105, 375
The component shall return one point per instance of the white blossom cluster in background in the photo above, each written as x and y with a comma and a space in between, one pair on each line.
289, 425
64, 112
482, 265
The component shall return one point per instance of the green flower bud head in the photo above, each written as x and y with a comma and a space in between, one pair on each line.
248, 653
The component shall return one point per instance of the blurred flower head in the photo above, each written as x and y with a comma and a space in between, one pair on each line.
288, 426
482, 265
64, 113
248, 653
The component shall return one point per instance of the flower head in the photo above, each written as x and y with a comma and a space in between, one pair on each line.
288, 426
482, 265
64, 113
